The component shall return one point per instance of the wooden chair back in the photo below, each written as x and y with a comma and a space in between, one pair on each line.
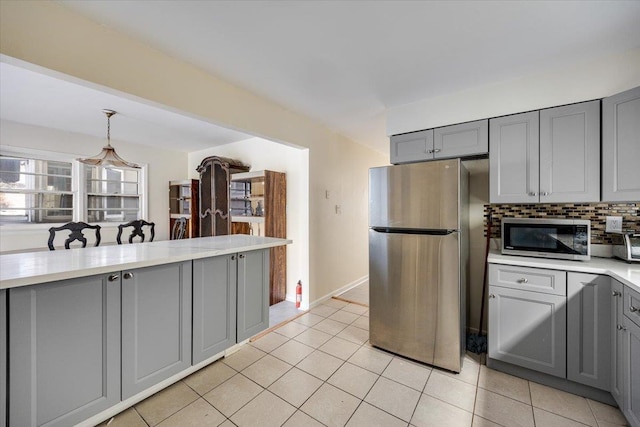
137, 225
75, 229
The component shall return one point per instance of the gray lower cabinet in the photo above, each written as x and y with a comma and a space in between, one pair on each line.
618, 372
253, 293
412, 147
3, 358
528, 329
156, 325
214, 306
64, 350
589, 329
632, 362
621, 147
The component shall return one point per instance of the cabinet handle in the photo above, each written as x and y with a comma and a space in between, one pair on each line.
533, 194
113, 278
241, 256
437, 150
621, 328
616, 294
429, 151
544, 193
233, 257
523, 280
633, 309
492, 296
127, 275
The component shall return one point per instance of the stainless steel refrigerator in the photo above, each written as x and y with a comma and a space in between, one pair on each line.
418, 256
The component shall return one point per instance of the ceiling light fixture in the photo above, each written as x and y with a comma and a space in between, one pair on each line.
108, 157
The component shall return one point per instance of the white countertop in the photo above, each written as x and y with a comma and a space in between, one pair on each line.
626, 273
29, 268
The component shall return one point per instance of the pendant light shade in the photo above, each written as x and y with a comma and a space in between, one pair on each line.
108, 156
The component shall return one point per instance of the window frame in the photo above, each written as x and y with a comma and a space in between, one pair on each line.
78, 188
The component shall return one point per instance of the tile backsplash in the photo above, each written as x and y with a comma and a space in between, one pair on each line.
596, 212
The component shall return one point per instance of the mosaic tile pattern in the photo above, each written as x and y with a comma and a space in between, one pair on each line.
596, 212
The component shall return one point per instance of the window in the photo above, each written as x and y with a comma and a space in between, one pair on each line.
35, 190
38, 187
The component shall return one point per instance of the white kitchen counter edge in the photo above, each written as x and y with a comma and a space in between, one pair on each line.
628, 274
31, 268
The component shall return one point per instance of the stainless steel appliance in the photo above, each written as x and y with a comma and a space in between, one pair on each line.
418, 256
547, 238
629, 250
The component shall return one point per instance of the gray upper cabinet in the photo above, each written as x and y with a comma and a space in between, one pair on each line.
64, 350
156, 325
3, 358
462, 140
548, 156
589, 329
465, 139
570, 153
412, 147
214, 306
621, 146
514, 158
618, 373
253, 293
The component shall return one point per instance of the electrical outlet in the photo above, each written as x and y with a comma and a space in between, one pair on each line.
614, 224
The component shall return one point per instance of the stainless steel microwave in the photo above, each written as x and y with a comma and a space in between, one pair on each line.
547, 238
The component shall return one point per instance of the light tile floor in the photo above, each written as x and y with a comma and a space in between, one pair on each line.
320, 370
359, 294
284, 310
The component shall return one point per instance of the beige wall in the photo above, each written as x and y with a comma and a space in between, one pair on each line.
163, 166
262, 154
50, 36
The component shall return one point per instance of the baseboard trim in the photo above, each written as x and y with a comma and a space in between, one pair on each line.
339, 291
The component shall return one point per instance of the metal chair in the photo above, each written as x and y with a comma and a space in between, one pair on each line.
179, 228
137, 230
75, 229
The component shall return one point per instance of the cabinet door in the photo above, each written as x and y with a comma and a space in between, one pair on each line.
528, 329
570, 153
214, 306
466, 139
64, 351
513, 158
156, 325
253, 293
412, 147
621, 146
618, 374
632, 362
589, 329
3, 358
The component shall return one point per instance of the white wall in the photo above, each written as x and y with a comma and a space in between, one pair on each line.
164, 165
262, 154
595, 79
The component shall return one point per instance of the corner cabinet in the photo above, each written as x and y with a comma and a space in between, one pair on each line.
259, 207
214, 305
253, 293
621, 147
184, 203
589, 329
529, 154
64, 350
156, 325
215, 173
460, 140
618, 371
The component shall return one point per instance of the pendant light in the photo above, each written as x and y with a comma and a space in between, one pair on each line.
108, 157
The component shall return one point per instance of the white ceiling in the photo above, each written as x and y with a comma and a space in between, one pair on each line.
344, 63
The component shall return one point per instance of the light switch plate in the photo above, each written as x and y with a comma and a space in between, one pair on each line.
614, 224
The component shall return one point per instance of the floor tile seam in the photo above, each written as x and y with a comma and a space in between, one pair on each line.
282, 375
377, 407
139, 414
596, 418
365, 368
348, 392
563, 417
249, 401
504, 395
398, 382
309, 415
173, 413
453, 404
239, 373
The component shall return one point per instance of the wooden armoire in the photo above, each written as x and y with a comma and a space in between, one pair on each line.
215, 177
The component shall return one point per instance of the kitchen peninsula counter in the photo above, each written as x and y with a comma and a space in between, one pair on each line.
30, 268
626, 273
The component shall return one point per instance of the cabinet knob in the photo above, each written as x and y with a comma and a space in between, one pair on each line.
437, 150
233, 257
492, 296
616, 294
633, 309
113, 278
621, 328
523, 280
544, 193
533, 194
127, 275
241, 256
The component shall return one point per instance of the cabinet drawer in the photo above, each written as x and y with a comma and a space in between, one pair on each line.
531, 279
632, 305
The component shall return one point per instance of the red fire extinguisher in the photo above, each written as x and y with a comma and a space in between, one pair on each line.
298, 293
